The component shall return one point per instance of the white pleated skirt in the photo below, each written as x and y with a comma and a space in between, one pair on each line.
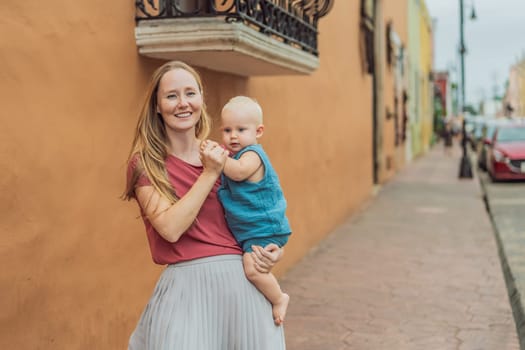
207, 304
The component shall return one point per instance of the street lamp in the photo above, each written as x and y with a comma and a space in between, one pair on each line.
465, 167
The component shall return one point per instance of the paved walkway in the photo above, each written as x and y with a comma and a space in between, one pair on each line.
417, 268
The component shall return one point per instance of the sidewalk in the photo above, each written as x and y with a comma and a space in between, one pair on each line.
417, 268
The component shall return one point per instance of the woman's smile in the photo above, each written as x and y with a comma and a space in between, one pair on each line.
183, 115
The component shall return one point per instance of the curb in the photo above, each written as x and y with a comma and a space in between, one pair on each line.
512, 290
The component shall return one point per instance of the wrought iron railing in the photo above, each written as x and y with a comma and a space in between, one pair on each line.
293, 22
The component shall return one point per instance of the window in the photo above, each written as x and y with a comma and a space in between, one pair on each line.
367, 35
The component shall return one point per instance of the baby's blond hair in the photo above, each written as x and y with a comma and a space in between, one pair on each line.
247, 102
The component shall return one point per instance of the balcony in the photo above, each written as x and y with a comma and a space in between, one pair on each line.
243, 37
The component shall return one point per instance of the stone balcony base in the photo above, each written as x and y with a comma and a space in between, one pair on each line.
213, 43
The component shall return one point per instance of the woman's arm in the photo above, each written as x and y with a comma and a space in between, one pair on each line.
266, 258
172, 220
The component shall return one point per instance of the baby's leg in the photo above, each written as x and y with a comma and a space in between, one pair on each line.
269, 287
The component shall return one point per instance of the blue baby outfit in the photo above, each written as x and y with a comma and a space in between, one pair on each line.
255, 211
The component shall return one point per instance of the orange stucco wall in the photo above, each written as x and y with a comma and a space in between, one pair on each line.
76, 269
319, 132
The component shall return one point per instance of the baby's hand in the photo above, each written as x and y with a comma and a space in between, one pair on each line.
210, 142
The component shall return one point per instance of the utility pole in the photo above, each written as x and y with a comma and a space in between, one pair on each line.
465, 168
462, 52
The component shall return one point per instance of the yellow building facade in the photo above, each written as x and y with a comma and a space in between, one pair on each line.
425, 64
420, 87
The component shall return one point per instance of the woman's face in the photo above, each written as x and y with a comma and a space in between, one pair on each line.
179, 100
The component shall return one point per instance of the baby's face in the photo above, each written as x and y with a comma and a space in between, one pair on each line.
238, 128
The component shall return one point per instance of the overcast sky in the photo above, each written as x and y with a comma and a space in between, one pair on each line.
495, 41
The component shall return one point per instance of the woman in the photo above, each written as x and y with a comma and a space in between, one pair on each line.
202, 299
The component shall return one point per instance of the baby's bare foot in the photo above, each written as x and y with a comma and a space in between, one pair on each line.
279, 309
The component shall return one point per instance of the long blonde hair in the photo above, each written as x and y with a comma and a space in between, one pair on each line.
150, 145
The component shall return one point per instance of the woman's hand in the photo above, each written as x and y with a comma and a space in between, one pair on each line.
266, 258
212, 156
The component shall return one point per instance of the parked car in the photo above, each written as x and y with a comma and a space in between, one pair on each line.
507, 153
485, 141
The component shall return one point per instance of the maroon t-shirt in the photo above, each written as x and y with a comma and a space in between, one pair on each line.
209, 235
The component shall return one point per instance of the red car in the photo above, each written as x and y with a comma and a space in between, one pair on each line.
507, 153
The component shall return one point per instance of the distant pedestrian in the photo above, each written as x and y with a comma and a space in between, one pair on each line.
251, 194
448, 137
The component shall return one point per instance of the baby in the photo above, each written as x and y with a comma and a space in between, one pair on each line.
251, 195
